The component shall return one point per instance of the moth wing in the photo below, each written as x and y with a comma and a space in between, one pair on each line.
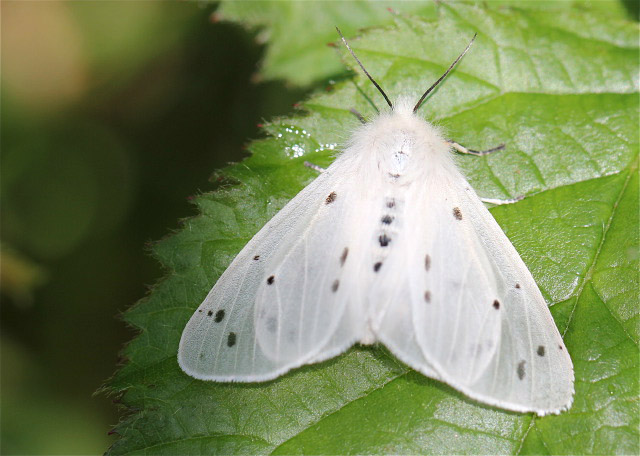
479, 318
396, 331
392, 313
281, 302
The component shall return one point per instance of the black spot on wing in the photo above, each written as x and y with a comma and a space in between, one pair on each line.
256, 258
344, 255
331, 198
540, 350
387, 219
219, 316
391, 203
271, 279
457, 213
335, 285
231, 339
377, 266
427, 262
496, 304
427, 296
520, 370
209, 313
517, 285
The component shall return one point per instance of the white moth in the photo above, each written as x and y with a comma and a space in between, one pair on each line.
390, 244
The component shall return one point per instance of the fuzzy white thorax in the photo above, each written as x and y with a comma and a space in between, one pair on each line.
399, 143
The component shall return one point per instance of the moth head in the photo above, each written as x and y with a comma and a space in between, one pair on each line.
424, 95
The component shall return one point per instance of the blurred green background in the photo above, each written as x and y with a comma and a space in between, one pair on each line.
113, 113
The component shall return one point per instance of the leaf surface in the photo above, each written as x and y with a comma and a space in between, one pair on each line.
565, 103
297, 32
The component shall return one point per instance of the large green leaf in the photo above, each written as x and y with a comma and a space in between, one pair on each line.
297, 32
564, 99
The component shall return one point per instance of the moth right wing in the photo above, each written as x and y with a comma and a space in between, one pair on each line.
281, 303
478, 319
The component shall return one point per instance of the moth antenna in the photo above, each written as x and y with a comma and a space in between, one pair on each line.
424, 95
363, 69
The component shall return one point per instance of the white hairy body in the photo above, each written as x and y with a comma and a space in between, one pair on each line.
391, 245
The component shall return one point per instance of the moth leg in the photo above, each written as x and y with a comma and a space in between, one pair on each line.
314, 167
358, 115
500, 202
463, 150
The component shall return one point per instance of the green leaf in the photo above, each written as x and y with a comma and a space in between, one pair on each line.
298, 32
564, 100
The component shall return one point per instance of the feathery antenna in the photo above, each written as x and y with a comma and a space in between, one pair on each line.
424, 95
367, 73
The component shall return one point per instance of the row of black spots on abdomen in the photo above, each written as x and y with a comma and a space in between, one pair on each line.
386, 232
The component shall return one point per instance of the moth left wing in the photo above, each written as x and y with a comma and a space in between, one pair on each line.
284, 300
